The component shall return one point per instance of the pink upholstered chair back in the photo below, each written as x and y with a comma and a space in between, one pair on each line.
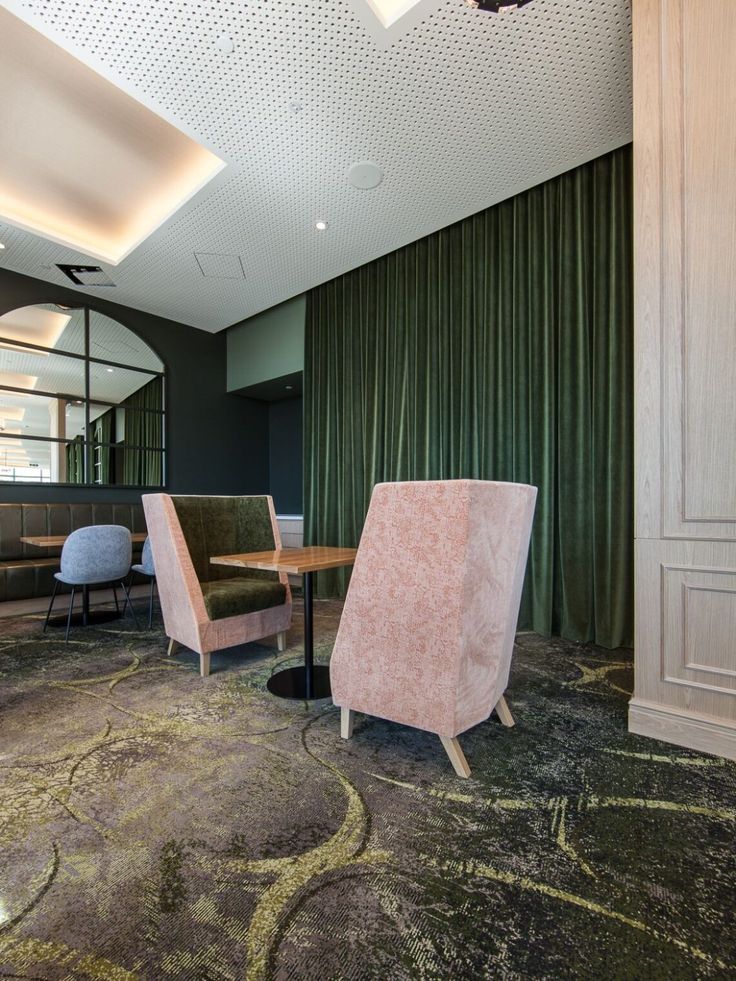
428, 627
180, 594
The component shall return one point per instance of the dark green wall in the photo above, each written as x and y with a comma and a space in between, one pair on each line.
217, 443
265, 347
285, 450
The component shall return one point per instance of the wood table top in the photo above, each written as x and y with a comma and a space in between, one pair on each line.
54, 541
297, 561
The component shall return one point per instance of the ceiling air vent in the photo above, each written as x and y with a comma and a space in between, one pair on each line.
213, 265
86, 275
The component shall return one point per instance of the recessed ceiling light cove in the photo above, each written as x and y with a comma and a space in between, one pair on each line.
115, 170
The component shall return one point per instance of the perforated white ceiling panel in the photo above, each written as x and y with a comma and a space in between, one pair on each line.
464, 110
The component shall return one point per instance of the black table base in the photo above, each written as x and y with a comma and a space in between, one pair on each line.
311, 681
291, 683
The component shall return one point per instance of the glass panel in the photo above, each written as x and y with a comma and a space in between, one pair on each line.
114, 385
142, 468
141, 429
126, 417
29, 460
46, 324
41, 371
111, 341
119, 465
28, 414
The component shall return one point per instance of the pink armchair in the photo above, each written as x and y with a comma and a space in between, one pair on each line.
427, 631
208, 607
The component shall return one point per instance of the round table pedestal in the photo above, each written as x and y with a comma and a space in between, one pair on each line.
292, 683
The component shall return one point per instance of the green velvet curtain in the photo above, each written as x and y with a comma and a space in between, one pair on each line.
102, 434
143, 466
498, 348
75, 461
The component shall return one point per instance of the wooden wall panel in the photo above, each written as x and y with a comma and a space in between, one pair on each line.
685, 311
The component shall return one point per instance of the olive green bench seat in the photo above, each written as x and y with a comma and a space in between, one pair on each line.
208, 607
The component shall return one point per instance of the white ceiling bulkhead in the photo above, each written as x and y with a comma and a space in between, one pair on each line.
459, 110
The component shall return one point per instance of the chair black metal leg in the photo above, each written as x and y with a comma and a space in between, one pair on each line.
51, 604
150, 603
69, 616
115, 595
128, 603
85, 605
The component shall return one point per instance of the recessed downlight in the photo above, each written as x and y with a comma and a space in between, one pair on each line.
225, 44
321, 225
1, 245
110, 370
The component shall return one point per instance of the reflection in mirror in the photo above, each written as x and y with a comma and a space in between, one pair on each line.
57, 427
26, 461
42, 371
46, 324
109, 341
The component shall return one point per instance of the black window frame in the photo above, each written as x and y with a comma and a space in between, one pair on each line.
87, 400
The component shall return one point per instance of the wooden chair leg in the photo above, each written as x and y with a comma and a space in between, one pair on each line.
173, 644
457, 757
204, 665
504, 712
281, 640
347, 718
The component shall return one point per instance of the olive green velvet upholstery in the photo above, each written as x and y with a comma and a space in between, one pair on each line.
231, 597
224, 526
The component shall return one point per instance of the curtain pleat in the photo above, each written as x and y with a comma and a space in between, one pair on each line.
499, 348
143, 459
102, 429
75, 461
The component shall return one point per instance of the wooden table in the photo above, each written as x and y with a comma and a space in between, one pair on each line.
85, 617
310, 681
56, 541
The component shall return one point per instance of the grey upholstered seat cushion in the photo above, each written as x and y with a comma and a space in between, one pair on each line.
97, 554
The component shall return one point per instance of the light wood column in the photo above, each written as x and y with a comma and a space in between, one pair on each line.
685, 324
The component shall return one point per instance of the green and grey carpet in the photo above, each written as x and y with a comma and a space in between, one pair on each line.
157, 826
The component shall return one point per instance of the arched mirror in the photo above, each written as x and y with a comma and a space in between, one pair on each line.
82, 400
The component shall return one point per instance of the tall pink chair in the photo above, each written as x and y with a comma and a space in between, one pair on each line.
209, 607
427, 631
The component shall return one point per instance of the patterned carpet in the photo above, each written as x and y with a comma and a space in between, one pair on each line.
155, 826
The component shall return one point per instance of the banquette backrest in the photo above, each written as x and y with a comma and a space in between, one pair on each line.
26, 571
21, 520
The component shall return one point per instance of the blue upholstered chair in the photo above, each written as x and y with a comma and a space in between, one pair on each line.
146, 568
94, 556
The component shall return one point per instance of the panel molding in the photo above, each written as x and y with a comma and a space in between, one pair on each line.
685, 307
681, 518
683, 728
678, 583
